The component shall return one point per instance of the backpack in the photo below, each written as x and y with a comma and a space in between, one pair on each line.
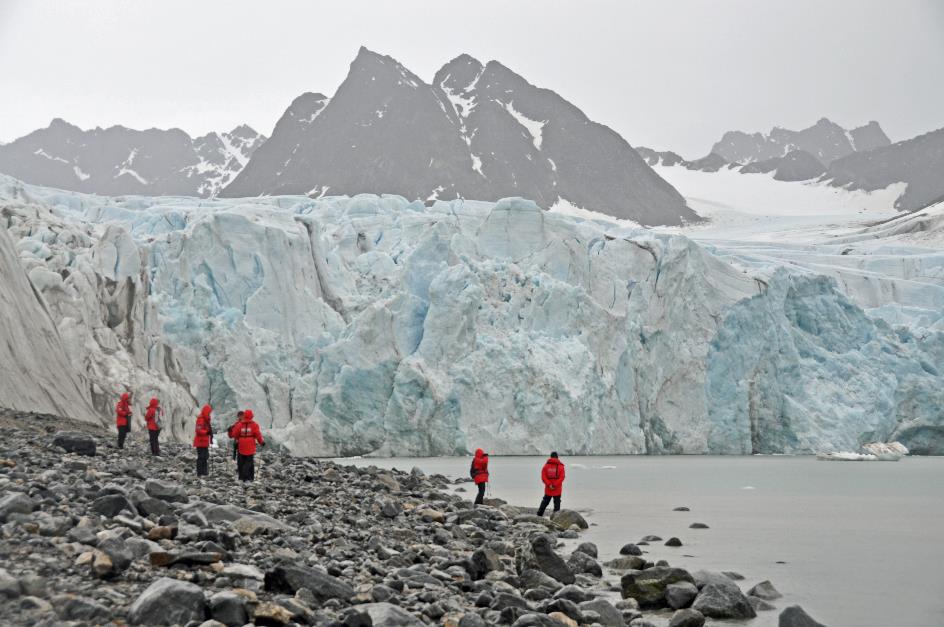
473, 470
157, 418
553, 472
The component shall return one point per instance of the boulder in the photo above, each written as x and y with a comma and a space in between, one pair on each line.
565, 607
539, 554
723, 600
563, 619
765, 590
673, 542
289, 578
534, 620
580, 562
165, 491
687, 618
9, 585
796, 616
147, 505
573, 593
229, 608
630, 549
75, 442
609, 615
70, 607
483, 561
698, 525
389, 615
565, 518
648, 586
588, 548
111, 504
533, 578
681, 594
15, 503
760, 605
167, 602
628, 562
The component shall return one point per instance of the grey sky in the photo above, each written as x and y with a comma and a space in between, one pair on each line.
669, 75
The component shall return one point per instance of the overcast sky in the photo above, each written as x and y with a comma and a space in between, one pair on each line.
671, 75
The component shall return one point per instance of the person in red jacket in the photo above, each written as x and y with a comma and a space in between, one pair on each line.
152, 416
479, 472
202, 437
247, 435
552, 475
123, 418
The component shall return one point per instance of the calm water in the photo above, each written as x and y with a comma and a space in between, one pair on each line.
863, 542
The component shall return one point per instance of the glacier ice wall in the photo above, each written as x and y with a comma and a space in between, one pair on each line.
371, 325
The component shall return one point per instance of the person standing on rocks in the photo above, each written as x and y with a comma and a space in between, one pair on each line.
202, 437
553, 477
247, 435
152, 416
123, 418
479, 473
231, 432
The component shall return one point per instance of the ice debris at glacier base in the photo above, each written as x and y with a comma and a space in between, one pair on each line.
372, 325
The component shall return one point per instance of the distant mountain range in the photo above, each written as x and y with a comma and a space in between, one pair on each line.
861, 158
478, 131
119, 160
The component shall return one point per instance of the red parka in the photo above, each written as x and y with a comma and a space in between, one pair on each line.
203, 429
248, 433
123, 410
553, 476
480, 466
150, 415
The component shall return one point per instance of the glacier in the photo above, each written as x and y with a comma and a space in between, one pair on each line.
371, 325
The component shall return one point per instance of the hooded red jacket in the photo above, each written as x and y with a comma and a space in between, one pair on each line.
203, 429
480, 466
150, 415
248, 433
553, 476
123, 410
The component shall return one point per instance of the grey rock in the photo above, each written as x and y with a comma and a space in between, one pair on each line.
533, 578
580, 562
607, 612
673, 542
573, 593
483, 561
681, 509
9, 585
168, 601
687, 618
147, 505
116, 549
796, 616
389, 615
538, 554
698, 525
111, 505
631, 549
723, 600
765, 590
15, 503
681, 594
72, 607
566, 518
229, 608
627, 562
503, 600
75, 442
565, 607
648, 586
536, 620
589, 548
289, 578
165, 491
651, 538
760, 605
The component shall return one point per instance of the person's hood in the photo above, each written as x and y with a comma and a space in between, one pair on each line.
554, 460
125, 397
153, 403
247, 415
205, 412
479, 453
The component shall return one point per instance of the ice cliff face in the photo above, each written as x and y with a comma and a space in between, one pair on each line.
374, 325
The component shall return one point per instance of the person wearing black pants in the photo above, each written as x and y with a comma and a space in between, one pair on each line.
202, 438
552, 475
123, 418
479, 472
152, 416
248, 434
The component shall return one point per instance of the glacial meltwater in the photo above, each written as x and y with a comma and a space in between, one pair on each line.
854, 543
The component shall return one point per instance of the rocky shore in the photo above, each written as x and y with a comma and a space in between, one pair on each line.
91, 535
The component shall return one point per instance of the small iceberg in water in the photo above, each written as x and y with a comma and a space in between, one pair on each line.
872, 452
